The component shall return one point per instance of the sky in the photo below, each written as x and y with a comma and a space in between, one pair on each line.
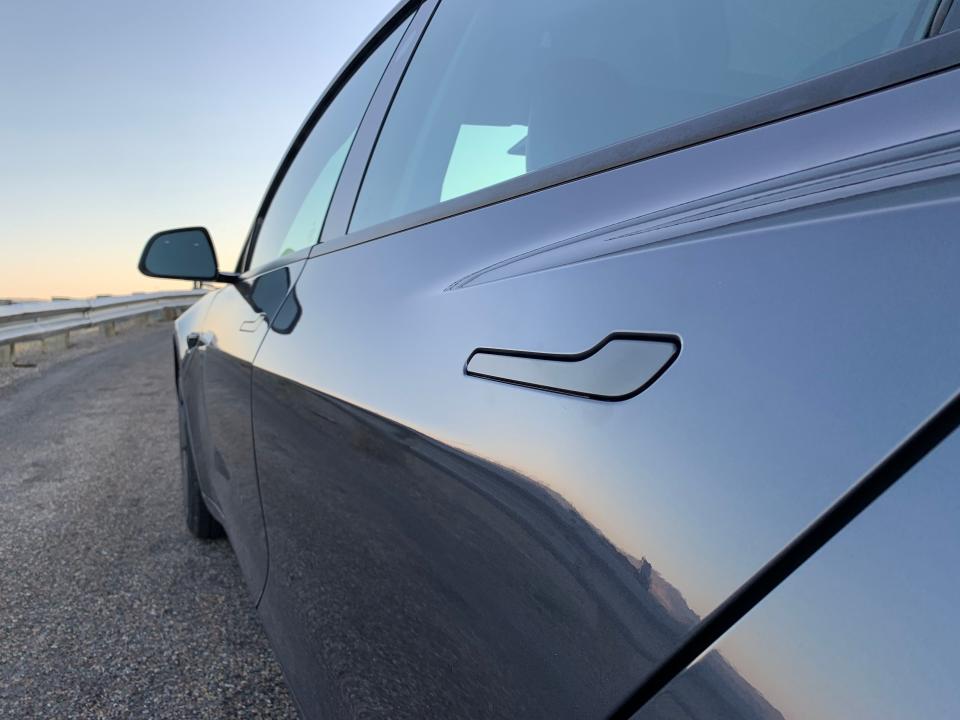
120, 119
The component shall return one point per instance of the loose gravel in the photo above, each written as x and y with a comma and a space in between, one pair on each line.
108, 607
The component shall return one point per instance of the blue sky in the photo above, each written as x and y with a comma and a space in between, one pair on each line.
120, 119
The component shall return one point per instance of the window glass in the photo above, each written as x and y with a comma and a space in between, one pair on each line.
867, 628
483, 155
504, 87
296, 213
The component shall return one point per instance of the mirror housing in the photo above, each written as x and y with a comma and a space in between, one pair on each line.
182, 254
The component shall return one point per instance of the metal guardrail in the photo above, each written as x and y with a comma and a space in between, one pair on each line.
55, 319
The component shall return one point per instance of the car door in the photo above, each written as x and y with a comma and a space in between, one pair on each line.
545, 395
216, 377
866, 628
224, 343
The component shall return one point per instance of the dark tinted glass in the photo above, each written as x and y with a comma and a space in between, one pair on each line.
185, 254
299, 207
868, 628
501, 88
269, 290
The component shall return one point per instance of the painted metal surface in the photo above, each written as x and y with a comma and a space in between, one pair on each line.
867, 628
445, 546
215, 384
440, 545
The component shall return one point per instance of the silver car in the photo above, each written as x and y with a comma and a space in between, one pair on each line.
570, 335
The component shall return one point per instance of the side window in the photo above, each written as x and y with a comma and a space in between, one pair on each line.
501, 88
297, 211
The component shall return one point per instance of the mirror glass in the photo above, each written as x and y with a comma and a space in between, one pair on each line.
183, 254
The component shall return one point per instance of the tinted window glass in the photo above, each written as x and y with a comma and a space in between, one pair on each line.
867, 628
297, 211
501, 88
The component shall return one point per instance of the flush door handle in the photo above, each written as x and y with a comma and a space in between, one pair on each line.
619, 367
252, 325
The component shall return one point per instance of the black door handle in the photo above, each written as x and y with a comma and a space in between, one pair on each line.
619, 367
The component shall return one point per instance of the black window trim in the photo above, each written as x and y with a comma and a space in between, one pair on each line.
355, 166
396, 17
912, 62
939, 22
951, 20
935, 54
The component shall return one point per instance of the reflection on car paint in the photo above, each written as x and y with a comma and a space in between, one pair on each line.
865, 629
467, 588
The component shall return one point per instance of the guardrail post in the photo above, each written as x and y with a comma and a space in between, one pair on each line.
108, 329
54, 343
6, 354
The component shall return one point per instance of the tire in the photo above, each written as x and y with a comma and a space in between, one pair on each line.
200, 522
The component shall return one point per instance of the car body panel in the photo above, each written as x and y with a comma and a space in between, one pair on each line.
444, 544
866, 628
215, 374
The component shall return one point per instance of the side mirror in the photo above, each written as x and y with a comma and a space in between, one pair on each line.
184, 254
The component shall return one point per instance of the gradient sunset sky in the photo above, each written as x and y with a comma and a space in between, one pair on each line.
120, 119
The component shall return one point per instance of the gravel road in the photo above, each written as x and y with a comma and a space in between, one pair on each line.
108, 608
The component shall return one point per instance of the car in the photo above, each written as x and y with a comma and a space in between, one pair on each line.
557, 347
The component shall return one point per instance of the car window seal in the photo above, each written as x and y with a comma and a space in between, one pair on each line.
276, 263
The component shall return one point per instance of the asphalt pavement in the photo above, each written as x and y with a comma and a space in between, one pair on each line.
108, 607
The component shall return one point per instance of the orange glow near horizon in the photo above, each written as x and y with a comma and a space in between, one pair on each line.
123, 119
108, 268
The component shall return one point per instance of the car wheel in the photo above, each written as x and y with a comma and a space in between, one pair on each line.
200, 522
